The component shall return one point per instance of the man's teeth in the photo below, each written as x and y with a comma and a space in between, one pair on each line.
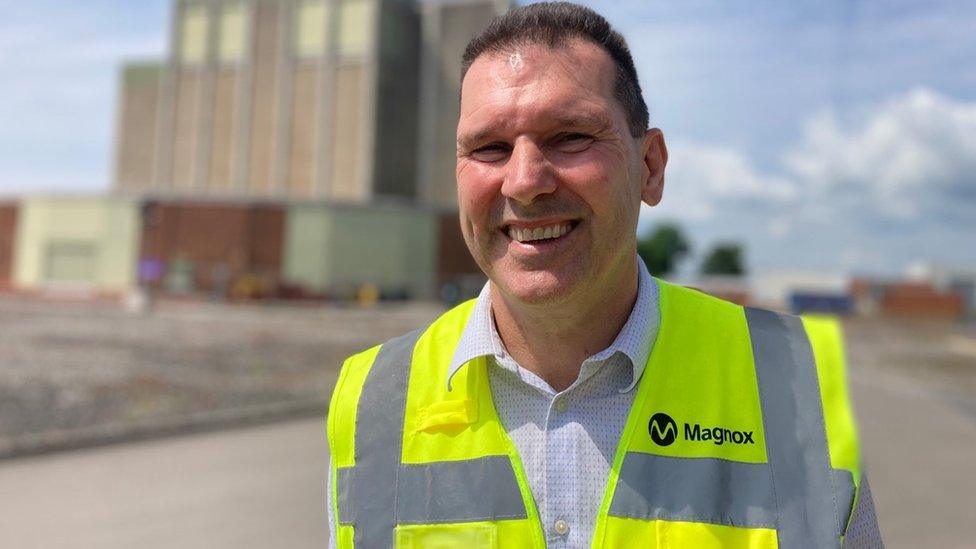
539, 233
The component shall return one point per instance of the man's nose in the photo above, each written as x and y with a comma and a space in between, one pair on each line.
529, 174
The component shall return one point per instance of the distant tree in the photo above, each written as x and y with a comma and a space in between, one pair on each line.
662, 248
724, 259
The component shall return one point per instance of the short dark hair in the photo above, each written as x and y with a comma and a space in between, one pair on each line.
554, 24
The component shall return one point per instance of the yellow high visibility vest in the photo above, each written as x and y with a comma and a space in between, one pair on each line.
740, 435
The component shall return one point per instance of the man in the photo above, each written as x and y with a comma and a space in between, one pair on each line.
578, 401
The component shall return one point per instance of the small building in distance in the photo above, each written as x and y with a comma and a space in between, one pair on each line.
777, 289
909, 299
730, 288
86, 244
955, 279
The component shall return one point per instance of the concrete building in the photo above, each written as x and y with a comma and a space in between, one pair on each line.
347, 101
447, 26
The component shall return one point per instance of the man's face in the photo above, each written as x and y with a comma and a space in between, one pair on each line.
550, 181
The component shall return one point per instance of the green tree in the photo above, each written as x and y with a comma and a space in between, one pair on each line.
662, 248
724, 259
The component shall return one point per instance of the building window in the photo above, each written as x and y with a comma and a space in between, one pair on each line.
194, 36
355, 26
232, 42
311, 28
69, 261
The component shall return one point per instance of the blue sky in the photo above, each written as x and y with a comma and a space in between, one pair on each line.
824, 135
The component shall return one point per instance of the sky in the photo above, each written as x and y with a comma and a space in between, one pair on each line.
829, 135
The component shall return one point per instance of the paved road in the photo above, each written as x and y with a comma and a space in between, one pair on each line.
255, 487
264, 486
920, 451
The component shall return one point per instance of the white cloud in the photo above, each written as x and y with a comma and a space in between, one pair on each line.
911, 156
704, 179
874, 188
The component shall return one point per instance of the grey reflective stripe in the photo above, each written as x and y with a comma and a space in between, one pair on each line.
709, 490
369, 491
443, 491
379, 492
843, 481
459, 491
796, 441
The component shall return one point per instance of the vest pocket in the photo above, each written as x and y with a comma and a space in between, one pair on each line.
478, 535
448, 414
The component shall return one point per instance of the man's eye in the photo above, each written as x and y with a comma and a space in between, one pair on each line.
573, 142
490, 153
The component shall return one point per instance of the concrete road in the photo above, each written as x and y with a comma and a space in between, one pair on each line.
254, 487
265, 486
920, 452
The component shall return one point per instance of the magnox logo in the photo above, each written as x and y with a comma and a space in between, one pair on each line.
664, 431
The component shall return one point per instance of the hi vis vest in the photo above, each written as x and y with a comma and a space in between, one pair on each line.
740, 435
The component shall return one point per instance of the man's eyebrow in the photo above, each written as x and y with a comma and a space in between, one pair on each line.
466, 140
572, 121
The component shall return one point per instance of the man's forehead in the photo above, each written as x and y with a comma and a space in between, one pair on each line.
578, 60
536, 88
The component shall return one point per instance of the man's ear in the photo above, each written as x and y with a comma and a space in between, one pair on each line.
655, 159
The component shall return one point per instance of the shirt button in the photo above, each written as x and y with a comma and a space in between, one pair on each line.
561, 406
561, 527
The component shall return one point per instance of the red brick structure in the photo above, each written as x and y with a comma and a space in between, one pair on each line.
915, 300
454, 262
8, 236
212, 246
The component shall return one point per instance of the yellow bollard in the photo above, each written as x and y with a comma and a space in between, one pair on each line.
368, 295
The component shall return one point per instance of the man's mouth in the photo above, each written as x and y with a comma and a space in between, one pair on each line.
545, 232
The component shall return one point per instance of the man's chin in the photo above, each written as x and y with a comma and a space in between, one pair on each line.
537, 287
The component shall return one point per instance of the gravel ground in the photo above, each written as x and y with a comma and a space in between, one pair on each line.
73, 374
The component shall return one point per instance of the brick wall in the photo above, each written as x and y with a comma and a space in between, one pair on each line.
222, 242
8, 228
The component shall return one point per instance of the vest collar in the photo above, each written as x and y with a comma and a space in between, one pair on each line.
635, 340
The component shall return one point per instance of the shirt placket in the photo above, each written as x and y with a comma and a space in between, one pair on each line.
558, 456
561, 463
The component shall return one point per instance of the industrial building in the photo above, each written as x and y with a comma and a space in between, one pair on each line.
303, 147
347, 101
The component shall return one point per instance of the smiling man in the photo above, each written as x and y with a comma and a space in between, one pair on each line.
578, 401
551, 175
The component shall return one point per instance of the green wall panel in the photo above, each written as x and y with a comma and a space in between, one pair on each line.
331, 248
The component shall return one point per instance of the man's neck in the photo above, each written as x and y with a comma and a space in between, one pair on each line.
552, 340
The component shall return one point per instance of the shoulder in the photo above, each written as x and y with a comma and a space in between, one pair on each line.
690, 316
446, 327
432, 343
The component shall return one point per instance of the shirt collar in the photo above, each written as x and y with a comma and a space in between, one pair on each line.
480, 338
